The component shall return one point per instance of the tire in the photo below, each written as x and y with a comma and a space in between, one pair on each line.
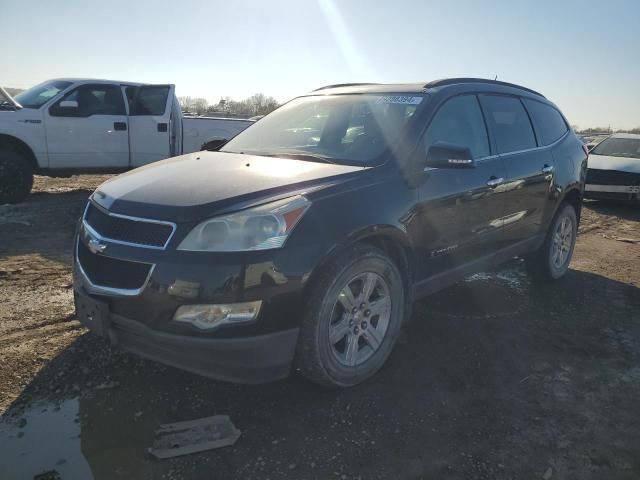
340, 346
547, 264
16, 177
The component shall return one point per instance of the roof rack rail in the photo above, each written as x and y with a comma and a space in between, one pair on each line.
336, 85
453, 81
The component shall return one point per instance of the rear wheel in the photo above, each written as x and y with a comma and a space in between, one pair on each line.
16, 177
353, 318
552, 260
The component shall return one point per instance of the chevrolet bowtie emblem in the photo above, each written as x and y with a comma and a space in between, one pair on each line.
96, 247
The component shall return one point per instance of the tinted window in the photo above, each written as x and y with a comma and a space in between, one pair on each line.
459, 122
509, 123
151, 100
549, 123
91, 100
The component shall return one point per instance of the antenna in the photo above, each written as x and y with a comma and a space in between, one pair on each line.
495, 78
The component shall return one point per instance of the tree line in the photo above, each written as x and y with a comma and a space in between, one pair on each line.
258, 104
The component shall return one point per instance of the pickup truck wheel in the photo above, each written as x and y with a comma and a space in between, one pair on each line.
552, 260
16, 177
352, 319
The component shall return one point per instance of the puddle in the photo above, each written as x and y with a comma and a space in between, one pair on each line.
97, 436
49, 441
484, 295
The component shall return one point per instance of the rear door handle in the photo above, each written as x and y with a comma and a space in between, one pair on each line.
493, 182
547, 169
162, 127
120, 126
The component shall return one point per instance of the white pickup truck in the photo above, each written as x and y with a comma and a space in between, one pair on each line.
68, 126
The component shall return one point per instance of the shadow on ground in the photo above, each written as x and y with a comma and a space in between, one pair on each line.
494, 378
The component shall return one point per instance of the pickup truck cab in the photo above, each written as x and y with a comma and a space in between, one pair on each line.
69, 126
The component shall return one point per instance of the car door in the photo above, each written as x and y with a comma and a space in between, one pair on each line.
527, 188
87, 128
150, 108
460, 209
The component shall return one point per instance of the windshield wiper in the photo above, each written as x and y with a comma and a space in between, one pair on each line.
298, 156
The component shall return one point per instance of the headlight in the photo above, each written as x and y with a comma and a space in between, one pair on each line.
259, 228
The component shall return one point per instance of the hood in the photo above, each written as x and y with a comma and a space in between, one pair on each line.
620, 164
202, 184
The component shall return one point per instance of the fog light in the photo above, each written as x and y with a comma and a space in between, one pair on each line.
207, 317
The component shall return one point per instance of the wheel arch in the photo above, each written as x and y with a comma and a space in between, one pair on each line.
14, 143
391, 240
573, 197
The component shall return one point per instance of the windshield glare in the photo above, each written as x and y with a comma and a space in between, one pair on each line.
37, 96
349, 129
618, 147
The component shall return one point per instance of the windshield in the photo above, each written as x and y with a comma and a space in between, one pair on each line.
348, 129
37, 96
618, 147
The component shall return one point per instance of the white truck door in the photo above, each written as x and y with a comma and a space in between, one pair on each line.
150, 108
87, 128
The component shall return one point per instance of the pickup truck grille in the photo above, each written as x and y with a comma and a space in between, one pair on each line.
142, 232
110, 272
612, 177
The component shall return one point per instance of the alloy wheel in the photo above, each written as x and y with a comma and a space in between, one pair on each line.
360, 319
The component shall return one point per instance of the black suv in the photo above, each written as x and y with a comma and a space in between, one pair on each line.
304, 240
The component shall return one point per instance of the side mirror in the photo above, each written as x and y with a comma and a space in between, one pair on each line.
445, 155
68, 104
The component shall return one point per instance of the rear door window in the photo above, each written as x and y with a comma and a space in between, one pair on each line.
550, 125
509, 123
459, 122
148, 100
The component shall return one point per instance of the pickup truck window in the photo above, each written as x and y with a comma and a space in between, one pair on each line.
459, 122
37, 96
91, 100
348, 129
147, 100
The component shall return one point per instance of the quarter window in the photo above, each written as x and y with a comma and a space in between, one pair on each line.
509, 123
459, 122
549, 123
90, 100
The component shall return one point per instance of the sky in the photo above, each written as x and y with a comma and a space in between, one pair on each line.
583, 55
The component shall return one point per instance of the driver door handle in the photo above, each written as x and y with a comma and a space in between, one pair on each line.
547, 169
493, 182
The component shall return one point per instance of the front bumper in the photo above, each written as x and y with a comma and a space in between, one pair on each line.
612, 192
255, 359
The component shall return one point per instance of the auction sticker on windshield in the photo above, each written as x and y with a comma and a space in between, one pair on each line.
399, 99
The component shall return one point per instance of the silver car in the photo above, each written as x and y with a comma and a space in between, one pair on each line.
614, 169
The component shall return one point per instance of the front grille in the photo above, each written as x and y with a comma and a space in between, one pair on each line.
110, 272
612, 177
139, 232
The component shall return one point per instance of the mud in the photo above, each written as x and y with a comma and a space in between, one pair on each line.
495, 377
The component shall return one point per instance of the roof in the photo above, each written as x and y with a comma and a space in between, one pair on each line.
97, 80
422, 87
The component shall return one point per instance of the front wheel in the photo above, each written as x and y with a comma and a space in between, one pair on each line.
552, 260
352, 319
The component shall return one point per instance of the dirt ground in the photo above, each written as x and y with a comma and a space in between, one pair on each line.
495, 377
